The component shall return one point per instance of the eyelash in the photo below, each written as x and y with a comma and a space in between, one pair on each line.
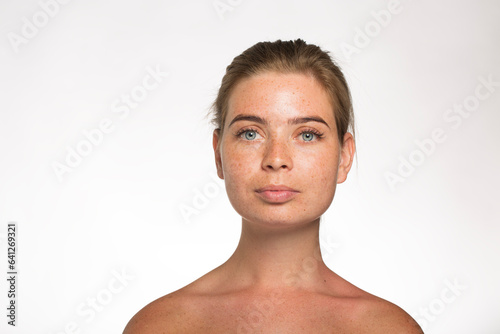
318, 134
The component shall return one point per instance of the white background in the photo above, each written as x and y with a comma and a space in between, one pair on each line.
119, 209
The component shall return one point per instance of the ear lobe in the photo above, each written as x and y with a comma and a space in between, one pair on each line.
218, 159
346, 157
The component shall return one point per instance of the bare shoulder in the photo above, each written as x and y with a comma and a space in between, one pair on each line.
183, 310
382, 316
367, 313
164, 315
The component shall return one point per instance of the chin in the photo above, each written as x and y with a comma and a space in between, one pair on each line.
282, 215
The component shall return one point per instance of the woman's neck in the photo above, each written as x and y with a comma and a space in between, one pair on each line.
280, 257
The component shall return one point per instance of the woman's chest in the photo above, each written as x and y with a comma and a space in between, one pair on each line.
268, 315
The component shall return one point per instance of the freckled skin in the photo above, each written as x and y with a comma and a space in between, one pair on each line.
276, 280
280, 155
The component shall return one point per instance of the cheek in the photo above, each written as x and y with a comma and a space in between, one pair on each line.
237, 164
322, 173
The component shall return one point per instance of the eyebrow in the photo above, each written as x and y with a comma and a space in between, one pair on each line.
292, 121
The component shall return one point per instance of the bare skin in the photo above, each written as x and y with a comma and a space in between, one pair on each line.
276, 280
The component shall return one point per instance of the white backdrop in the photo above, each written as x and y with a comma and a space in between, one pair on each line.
107, 166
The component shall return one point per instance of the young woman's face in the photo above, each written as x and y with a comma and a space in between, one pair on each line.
279, 154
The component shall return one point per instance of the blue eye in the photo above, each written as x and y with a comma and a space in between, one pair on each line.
307, 136
311, 135
250, 134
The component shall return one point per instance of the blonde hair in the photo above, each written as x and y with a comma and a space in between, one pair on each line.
288, 57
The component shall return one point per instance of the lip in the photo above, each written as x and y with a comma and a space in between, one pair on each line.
276, 193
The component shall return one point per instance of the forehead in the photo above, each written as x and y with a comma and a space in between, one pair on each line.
277, 95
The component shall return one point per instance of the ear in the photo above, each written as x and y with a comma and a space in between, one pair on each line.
218, 160
346, 157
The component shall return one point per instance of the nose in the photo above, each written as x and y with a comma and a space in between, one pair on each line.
277, 155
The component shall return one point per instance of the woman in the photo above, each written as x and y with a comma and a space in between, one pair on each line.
281, 145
